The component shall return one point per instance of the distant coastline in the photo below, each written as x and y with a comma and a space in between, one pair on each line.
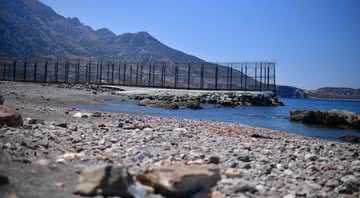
326, 93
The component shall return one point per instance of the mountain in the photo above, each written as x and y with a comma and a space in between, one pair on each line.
334, 93
28, 28
290, 92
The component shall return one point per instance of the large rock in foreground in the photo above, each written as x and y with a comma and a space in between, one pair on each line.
108, 181
332, 118
9, 117
179, 180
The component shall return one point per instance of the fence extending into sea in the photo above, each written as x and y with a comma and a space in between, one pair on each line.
251, 76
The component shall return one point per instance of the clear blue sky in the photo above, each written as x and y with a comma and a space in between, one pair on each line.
315, 42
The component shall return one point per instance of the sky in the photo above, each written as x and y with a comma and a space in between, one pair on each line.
314, 43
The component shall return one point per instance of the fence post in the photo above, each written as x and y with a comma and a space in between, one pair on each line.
141, 74
35, 70
14, 71
137, 74
131, 71
255, 76
153, 75
112, 72
261, 76
124, 79
216, 76
87, 72
46, 71
149, 80
241, 76
189, 68
231, 76
24, 77
274, 79
108, 73
119, 73
97, 71
100, 77
4, 70
228, 77
176, 75
78, 72
246, 76
202, 76
268, 76
56, 70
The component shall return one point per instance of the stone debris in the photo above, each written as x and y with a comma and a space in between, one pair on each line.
108, 181
248, 161
81, 115
1, 100
72, 156
4, 180
9, 117
178, 180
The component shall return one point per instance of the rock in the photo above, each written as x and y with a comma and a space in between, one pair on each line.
80, 115
10, 117
36, 121
178, 180
350, 184
96, 114
108, 181
62, 125
310, 157
59, 184
331, 118
4, 180
245, 187
158, 103
213, 160
194, 106
232, 173
350, 138
260, 136
244, 158
72, 156
216, 194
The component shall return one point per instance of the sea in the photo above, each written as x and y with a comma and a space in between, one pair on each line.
276, 118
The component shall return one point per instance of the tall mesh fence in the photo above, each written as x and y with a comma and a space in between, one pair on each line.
252, 76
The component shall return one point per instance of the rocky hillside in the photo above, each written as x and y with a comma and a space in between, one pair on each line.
290, 92
335, 93
28, 28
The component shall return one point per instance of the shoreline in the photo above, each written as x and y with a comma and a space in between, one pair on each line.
269, 162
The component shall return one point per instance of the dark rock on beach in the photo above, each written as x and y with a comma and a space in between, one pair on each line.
9, 117
331, 118
350, 138
106, 181
179, 180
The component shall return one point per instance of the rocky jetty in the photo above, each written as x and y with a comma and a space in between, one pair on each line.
331, 118
194, 101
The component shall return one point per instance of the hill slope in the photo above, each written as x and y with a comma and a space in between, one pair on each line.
28, 28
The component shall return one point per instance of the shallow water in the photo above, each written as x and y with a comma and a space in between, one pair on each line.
268, 117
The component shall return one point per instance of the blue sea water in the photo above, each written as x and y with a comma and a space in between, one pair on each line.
268, 117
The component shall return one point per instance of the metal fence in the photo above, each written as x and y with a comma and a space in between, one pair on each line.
259, 76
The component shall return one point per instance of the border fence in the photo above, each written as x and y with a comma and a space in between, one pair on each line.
252, 76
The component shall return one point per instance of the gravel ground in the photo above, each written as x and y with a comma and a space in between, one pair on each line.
255, 162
